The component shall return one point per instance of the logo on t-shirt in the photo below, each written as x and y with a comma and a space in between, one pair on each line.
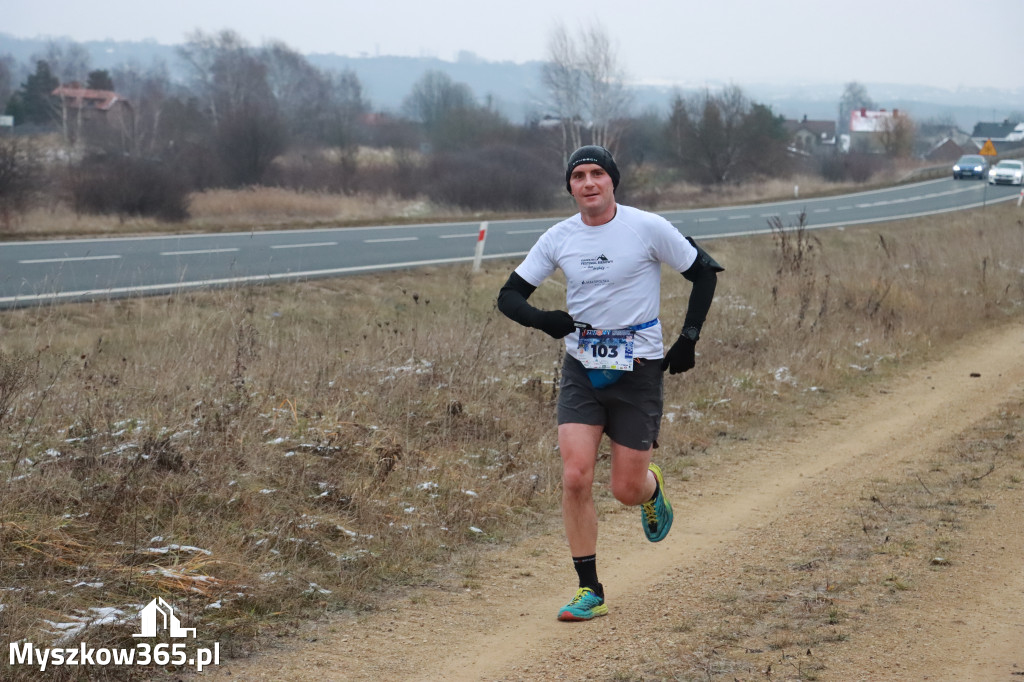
595, 265
599, 263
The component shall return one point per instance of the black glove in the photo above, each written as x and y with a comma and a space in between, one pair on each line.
554, 323
680, 356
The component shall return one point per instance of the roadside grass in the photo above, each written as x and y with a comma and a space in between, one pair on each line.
221, 210
275, 208
259, 456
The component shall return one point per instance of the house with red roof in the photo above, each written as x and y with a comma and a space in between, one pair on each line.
86, 107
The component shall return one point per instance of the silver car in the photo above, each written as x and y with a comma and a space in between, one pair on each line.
1008, 172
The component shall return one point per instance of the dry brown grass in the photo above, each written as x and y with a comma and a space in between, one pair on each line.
647, 188
684, 195
276, 451
258, 208
262, 208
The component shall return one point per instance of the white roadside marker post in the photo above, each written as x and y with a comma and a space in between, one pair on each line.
480, 246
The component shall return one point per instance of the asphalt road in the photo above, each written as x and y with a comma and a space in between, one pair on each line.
33, 273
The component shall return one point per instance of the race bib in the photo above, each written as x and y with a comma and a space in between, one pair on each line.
606, 349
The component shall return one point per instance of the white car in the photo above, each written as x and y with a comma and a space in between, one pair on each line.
1007, 173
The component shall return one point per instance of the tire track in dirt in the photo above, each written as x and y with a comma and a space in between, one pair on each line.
504, 627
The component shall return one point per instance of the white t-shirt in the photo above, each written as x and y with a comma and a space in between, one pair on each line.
612, 271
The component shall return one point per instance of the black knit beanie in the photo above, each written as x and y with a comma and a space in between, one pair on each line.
593, 153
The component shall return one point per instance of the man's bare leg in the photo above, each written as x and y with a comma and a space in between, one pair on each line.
578, 444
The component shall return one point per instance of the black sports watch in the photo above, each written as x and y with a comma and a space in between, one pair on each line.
691, 333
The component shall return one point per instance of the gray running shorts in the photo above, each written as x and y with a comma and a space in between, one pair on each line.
629, 410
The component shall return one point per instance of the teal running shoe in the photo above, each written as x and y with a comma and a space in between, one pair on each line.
584, 606
656, 515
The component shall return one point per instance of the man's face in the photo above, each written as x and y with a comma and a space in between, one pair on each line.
593, 191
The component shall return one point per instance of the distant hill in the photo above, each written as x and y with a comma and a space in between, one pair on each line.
515, 89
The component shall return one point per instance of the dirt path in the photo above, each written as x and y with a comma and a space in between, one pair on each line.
748, 513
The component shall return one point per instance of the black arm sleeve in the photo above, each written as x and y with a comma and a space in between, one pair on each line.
704, 276
512, 301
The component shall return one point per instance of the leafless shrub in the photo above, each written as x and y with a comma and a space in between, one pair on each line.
17, 371
336, 173
126, 187
853, 167
20, 179
500, 178
797, 269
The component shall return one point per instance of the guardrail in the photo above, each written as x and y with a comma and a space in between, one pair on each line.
941, 170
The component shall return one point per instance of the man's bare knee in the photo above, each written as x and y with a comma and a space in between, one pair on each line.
630, 492
577, 481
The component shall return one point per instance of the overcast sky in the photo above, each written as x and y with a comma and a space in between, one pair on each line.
941, 43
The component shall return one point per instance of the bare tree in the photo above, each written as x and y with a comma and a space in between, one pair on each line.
246, 117
69, 62
724, 137
897, 135
303, 92
706, 133
586, 87
855, 96
343, 125
147, 91
221, 66
434, 96
563, 81
606, 95
449, 113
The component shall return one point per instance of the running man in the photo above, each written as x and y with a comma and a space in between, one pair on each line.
611, 256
